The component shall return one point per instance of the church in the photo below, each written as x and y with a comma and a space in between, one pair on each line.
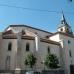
16, 41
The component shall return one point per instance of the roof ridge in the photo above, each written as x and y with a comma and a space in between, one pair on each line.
21, 25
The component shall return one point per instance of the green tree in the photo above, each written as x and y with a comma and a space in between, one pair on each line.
51, 61
30, 60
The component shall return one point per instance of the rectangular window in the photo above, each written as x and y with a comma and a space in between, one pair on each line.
70, 53
69, 42
9, 46
48, 49
27, 46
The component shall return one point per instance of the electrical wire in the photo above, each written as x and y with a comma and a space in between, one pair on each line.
32, 9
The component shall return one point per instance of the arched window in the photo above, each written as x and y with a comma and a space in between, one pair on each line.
27, 46
48, 49
9, 46
69, 42
61, 29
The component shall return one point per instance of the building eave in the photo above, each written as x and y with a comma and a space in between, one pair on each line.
9, 37
28, 37
50, 41
65, 34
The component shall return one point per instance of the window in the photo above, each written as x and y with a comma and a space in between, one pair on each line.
70, 53
9, 47
61, 29
27, 47
67, 30
48, 49
69, 42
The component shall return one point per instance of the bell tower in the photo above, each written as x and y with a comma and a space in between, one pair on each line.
64, 26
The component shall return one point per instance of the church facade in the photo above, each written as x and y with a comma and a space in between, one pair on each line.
18, 40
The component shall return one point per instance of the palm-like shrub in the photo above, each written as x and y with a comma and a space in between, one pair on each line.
51, 61
30, 60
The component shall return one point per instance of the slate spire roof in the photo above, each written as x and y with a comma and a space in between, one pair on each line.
63, 21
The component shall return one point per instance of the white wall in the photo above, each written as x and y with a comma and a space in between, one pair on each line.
40, 54
66, 47
11, 53
24, 52
64, 52
63, 29
54, 49
55, 38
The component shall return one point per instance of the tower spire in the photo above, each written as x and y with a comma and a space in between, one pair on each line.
64, 26
63, 20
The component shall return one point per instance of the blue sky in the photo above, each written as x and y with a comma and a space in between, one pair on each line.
43, 20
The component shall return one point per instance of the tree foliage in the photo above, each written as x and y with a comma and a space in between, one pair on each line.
51, 61
30, 60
